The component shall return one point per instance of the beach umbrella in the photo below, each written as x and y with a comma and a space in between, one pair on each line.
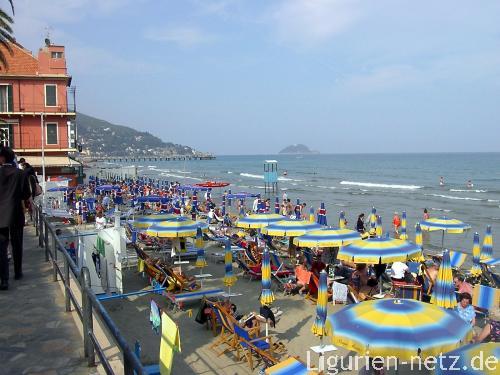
229, 278
476, 256
312, 219
491, 261
327, 237
322, 215
403, 328
290, 228
318, 327
418, 242
403, 235
487, 250
223, 204
176, 228
470, 359
258, 220
148, 220
200, 260
266, 296
342, 220
379, 250
373, 220
443, 294
444, 224
379, 229
457, 259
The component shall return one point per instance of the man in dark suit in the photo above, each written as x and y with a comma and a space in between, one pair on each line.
14, 189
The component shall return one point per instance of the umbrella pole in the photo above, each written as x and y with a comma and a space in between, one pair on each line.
267, 331
442, 241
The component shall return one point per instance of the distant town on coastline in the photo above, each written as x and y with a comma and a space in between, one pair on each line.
298, 149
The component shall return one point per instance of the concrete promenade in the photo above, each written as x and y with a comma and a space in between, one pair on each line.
37, 336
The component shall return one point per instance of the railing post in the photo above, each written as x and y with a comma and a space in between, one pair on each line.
46, 240
67, 285
127, 366
35, 219
88, 323
40, 226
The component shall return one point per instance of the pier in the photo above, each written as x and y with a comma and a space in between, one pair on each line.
128, 158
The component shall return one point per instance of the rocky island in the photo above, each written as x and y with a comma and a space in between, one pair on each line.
297, 149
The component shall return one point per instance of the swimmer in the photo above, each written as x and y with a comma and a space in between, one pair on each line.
285, 173
470, 185
441, 181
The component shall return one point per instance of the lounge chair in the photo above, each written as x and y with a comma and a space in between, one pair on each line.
355, 297
278, 266
251, 346
178, 299
253, 273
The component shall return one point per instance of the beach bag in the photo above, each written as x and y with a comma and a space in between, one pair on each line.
35, 187
38, 190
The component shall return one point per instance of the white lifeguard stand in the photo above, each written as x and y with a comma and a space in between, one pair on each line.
270, 176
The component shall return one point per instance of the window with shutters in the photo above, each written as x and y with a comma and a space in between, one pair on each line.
6, 104
51, 133
50, 95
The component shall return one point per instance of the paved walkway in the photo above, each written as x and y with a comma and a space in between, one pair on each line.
36, 335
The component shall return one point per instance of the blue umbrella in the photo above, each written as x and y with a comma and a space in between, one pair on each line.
322, 215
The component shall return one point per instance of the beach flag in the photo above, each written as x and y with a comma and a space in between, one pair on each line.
403, 235
342, 220
170, 342
267, 296
487, 250
476, 256
378, 229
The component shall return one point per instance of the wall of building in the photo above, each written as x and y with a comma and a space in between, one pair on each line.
28, 135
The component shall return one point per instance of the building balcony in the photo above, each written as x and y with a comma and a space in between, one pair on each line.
25, 107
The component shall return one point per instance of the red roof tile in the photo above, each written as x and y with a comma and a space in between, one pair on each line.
20, 61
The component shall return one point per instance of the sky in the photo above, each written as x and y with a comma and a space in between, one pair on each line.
254, 76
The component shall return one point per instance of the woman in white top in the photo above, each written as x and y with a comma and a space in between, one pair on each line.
100, 221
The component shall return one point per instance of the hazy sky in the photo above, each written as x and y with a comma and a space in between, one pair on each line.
250, 77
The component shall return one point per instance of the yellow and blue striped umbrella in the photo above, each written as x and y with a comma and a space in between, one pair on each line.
403, 235
312, 217
342, 220
200, 259
290, 228
148, 220
258, 220
444, 289
229, 278
289, 366
457, 259
379, 229
470, 359
379, 250
487, 250
476, 256
327, 237
419, 242
444, 224
373, 220
318, 327
267, 296
178, 227
491, 261
403, 328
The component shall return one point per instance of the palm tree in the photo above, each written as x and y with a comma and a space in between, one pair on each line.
6, 34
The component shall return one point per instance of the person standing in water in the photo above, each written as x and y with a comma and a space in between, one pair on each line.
441, 181
470, 185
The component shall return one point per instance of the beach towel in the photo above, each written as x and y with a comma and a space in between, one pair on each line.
154, 317
303, 276
170, 341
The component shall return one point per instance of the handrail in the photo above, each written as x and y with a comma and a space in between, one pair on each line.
91, 306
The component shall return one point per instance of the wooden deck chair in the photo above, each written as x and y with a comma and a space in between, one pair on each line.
407, 291
357, 297
251, 260
253, 273
278, 266
226, 333
248, 346
183, 283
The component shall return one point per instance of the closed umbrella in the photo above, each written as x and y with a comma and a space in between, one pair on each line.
403, 235
277, 206
223, 204
342, 220
487, 251
373, 220
444, 289
378, 229
267, 296
200, 260
476, 256
229, 278
322, 215
298, 208
419, 242
318, 327
403, 328
312, 219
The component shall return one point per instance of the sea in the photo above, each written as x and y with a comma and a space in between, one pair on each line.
354, 183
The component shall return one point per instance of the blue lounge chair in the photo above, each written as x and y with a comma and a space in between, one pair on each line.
249, 346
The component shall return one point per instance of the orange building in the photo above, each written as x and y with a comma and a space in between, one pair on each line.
38, 110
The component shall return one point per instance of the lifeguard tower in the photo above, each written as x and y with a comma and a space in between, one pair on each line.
270, 176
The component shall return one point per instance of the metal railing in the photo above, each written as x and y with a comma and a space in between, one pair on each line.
91, 307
